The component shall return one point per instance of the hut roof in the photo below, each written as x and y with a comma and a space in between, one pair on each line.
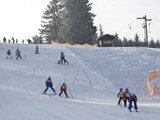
106, 37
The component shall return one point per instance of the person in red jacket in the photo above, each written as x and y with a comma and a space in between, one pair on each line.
63, 88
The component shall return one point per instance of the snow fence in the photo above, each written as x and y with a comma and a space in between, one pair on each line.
152, 86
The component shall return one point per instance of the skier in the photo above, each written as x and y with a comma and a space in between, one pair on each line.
36, 52
9, 54
133, 98
120, 96
49, 84
13, 40
62, 59
63, 88
127, 96
4, 40
18, 54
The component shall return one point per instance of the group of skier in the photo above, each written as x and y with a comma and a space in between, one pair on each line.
49, 84
9, 54
126, 96
18, 55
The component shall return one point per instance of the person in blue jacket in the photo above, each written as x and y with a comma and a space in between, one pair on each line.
49, 84
133, 99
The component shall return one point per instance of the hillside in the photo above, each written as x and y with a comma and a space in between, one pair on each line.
93, 75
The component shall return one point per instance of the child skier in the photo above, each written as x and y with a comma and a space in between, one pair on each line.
127, 96
36, 52
63, 88
9, 54
18, 54
49, 84
133, 98
62, 59
121, 96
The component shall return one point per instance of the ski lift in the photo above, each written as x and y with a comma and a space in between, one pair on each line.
143, 25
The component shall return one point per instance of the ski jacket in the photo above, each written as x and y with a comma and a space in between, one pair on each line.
127, 94
62, 56
133, 98
49, 83
121, 94
63, 87
8, 52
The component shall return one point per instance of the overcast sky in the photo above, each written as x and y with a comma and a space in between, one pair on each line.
21, 18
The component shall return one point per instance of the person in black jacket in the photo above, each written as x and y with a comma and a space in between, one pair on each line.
133, 98
37, 52
9, 54
49, 84
62, 60
18, 54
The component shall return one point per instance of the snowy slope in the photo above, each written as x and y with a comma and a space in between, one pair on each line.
93, 75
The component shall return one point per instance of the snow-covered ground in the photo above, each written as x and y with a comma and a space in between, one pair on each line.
93, 75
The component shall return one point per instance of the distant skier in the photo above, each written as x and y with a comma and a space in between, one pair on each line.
22, 41
133, 98
4, 40
49, 84
63, 88
121, 96
13, 40
62, 60
127, 96
18, 54
16, 41
9, 54
37, 52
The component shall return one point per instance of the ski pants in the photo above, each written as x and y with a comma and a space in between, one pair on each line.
64, 93
135, 105
125, 102
49, 87
120, 99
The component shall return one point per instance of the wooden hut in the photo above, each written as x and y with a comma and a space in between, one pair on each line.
105, 40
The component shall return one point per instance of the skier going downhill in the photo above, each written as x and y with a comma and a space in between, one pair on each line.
63, 88
127, 96
9, 54
49, 84
133, 98
121, 96
62, 60
37, 52
18, 54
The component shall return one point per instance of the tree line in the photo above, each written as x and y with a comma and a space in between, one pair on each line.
135, 42
71, 21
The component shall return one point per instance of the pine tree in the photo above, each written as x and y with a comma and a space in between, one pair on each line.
52, 21
136, 40
152, 44
79, 22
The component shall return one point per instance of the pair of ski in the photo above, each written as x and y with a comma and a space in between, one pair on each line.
131, 110
53, 94
49, 94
